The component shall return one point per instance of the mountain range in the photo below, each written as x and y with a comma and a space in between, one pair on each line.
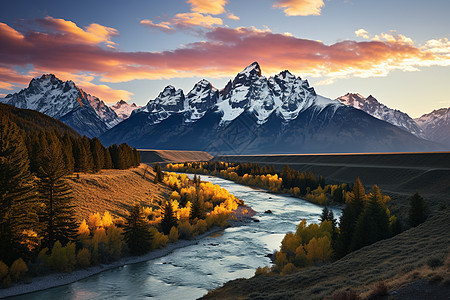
254, 114
66, 102
251, 114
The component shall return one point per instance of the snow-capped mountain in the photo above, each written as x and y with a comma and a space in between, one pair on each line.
436, 125
380, 111
64, 101
123, 109
254, 114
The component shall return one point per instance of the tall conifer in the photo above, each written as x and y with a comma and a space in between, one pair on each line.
58, 214
18, 205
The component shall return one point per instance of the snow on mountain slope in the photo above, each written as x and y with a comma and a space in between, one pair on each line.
248, 91
66, 102
123, 109
436, 125
380, 111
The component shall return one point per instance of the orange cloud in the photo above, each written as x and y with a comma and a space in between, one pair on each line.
300, 7
213, 7
166, 26
92, 34
223, 53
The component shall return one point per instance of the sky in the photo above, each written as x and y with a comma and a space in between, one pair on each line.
395, 50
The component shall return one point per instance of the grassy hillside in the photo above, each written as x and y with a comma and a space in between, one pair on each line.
115, 191
31, 120
421, 253
166, 156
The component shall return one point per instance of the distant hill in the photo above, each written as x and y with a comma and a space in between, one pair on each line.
30, 120
172, 156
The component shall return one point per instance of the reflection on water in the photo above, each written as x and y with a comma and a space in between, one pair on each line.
189, 273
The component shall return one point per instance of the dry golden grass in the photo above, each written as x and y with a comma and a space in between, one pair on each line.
419, 253
115, 191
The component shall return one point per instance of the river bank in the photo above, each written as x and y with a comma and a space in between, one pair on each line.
240, 217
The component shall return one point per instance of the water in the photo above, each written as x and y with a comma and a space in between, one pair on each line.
188, 273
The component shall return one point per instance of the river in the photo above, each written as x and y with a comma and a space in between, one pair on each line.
189, 272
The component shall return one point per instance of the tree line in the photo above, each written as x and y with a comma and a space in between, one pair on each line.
80, 154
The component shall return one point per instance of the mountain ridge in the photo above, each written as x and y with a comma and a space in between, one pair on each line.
254, 114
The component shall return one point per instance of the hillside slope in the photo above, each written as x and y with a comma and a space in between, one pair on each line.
397, 261
115, 191
31, 120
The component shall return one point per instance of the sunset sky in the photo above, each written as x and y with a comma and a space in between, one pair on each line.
396, 50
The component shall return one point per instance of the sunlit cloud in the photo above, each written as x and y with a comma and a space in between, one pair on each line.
166, 26
213, 7
203, 13
93, 34
222, 53
300, 7
362, 33
196, 19
232, 16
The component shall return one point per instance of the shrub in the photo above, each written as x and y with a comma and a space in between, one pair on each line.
159, 240
288, 269
262, 271
201, 226
18, 269
62, 259
434, 262
84, 258
379, 291
185, 230
173, 234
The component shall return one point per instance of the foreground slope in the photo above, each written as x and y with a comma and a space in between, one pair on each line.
254, 114
397, 261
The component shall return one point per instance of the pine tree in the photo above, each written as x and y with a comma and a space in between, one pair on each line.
80, 156
136, 232
58, 215
18, 197
324, 215
98, 154
108, 164
418, 211
69, 159
373, 223
89, 158
159, 176
169, 219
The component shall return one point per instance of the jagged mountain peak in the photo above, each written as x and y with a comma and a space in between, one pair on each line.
251, 70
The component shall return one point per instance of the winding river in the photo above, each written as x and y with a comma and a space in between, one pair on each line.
189, 272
